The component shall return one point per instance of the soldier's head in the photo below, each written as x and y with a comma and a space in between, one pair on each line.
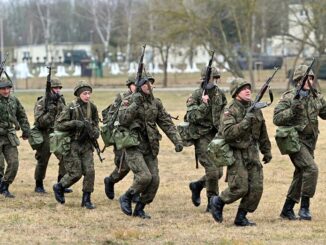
83, 90
5, 87
150, 77
299, 72
215, 75
130, 83
240, 89
144, 85
56, 85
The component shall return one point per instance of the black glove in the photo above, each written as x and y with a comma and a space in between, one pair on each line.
25, 135
267, 158
138, 99
54, 98
297, 107
178, 147
78, 124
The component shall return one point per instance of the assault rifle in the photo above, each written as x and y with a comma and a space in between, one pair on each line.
208, 72
47, 90
2, 69
259, 96
304, 79
140, 66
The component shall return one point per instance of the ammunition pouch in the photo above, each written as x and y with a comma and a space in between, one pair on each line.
35, 138
107, 135
124, 138
287, 139
184, 131
60, 142
220, 153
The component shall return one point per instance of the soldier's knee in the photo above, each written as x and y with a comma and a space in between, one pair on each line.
145, 179
312, 170
242, 191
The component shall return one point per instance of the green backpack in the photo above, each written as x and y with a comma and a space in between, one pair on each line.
287, 139
35, 138
107, 135
220, 153
124, 138
60, 143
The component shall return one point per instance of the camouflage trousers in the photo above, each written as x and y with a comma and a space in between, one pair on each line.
305, 175
10, 154
245, 181
2, 164
42, 156
79, 162
212, 173
121, 167
146, 174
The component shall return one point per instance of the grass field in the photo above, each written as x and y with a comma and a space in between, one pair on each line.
32, 218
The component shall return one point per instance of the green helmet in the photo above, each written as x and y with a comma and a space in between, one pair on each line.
214, 74
55, 82
131, 79
236, 85
4, 83
80, 85
300, 71
150, 77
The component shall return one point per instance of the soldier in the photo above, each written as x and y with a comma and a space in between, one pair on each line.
12, 118
122, 168
203, 115
44, 121
80, 119
246, 134
302, 114
141, 113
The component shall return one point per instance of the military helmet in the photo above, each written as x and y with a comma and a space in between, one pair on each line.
82, 84
131, 79
4, 83
150, 77
55, 82
236, 85
214, 73
300, 71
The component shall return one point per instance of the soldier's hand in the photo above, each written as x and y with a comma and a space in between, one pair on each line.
25, 135
52, 108
205, 98
178, 147
297, 107
138, 99
78, 124
267, 158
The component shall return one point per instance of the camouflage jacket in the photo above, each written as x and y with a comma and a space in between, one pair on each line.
45, 120
244, 137
144, 120
205, 118
13, 115
307, 122
78, 110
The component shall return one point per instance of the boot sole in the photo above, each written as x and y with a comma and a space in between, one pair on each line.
123, 210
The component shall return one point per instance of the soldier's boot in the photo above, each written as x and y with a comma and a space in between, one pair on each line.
4, 190
217, 206
304, 212
125, 202
59, 193
66, 190
209, 208
196, 187
39, 187
136, 198
139, 211
287, 211
241, 219
109, 187
86, 201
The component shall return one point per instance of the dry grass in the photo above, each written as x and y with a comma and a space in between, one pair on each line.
31, 218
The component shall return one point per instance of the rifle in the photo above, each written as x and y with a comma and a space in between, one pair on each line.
304, 79
208, 72
140, 66
47, 90
259, 96
2, 70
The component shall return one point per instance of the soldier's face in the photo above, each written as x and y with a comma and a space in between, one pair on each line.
244, 94
85, 96
56, 90
147, 88
132, 88
311, 80
5, 92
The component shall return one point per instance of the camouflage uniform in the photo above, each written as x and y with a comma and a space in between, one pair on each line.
79, 160
44, 121
246, 136
2, 166
142, 119
12, 117
305, 120
204, 121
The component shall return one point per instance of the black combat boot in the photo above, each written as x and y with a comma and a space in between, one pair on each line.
109, 187
304, 213
208, 208
139, 211
241, 220
287, 211
86, 201
4, 190
66, 190
136, 198
217, 208
125, 202
196, 188
59, 193
39, 187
